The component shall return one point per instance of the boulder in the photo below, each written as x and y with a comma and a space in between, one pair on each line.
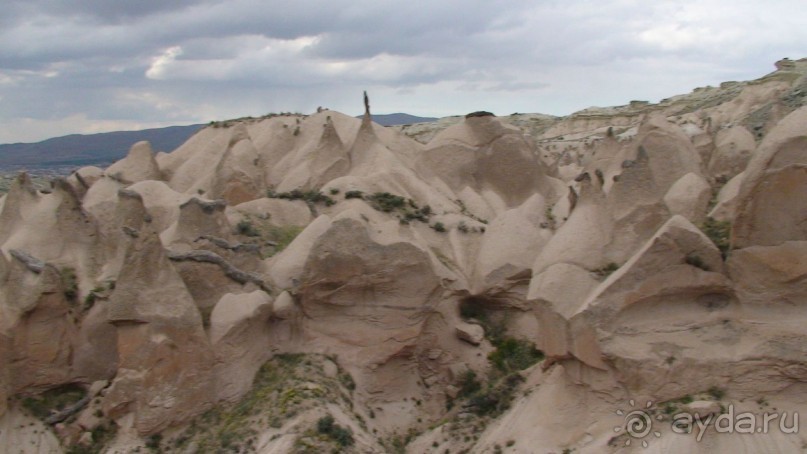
138, 165
689, 197
772, 204
165, 360
470, 332
734, 147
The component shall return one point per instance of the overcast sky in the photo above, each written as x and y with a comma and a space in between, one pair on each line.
83, 66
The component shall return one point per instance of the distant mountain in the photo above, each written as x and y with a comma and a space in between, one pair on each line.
92, 149
399, 119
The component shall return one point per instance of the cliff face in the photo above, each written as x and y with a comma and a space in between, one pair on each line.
303, 283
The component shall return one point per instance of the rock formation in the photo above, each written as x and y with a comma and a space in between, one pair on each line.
318, 283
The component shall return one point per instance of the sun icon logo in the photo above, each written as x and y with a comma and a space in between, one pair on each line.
638, 423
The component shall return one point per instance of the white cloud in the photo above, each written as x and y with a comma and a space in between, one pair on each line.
163, 62
149, 61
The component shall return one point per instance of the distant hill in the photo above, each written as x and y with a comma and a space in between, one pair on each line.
92, 149
396, 119
105, 148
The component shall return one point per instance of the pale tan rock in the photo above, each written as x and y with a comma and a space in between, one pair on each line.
734, 147
689, 197
239, 334
277, 211
726, 206
159, 332
238, 176
20, 433
138, 165
671, 154
770, 276
288, 266
505, 164
770, 207
469, 332
284, 307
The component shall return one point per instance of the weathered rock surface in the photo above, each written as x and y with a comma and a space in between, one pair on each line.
404, 280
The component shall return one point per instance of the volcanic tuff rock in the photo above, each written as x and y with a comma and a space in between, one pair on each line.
317, 282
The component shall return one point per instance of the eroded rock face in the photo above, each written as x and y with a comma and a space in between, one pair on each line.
165, 360
575, 234
138, 165
773, 194
40, 327
349, 277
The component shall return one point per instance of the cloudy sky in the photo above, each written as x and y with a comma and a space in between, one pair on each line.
83, 66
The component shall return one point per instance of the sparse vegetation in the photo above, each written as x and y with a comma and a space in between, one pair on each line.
720, 234
465, 212
513, 354
101, 436
605, 271
283, 235
310, 197
92, 297
479, 113
270, 238
551, 222
439, 227
42, 405
285, 386
69, 283
354, 195
326, 426
245, 227
495, 399
510, 356
250, 119
386, 202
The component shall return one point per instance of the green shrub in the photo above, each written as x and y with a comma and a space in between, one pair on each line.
69, 283
283, 236
326, 426
720, 234
57, 399
513, 354
153, 442
606, 271
495, 400
245, 227
479, 113
354, 195
469, 384
386, 202
311, 196
439, 227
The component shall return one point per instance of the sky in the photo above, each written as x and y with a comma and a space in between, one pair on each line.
86, 66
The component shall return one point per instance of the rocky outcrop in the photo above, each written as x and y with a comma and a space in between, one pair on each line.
773, 196
164, 374
410, 282
138, 165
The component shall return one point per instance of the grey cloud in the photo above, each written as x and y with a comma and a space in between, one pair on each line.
60, 57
